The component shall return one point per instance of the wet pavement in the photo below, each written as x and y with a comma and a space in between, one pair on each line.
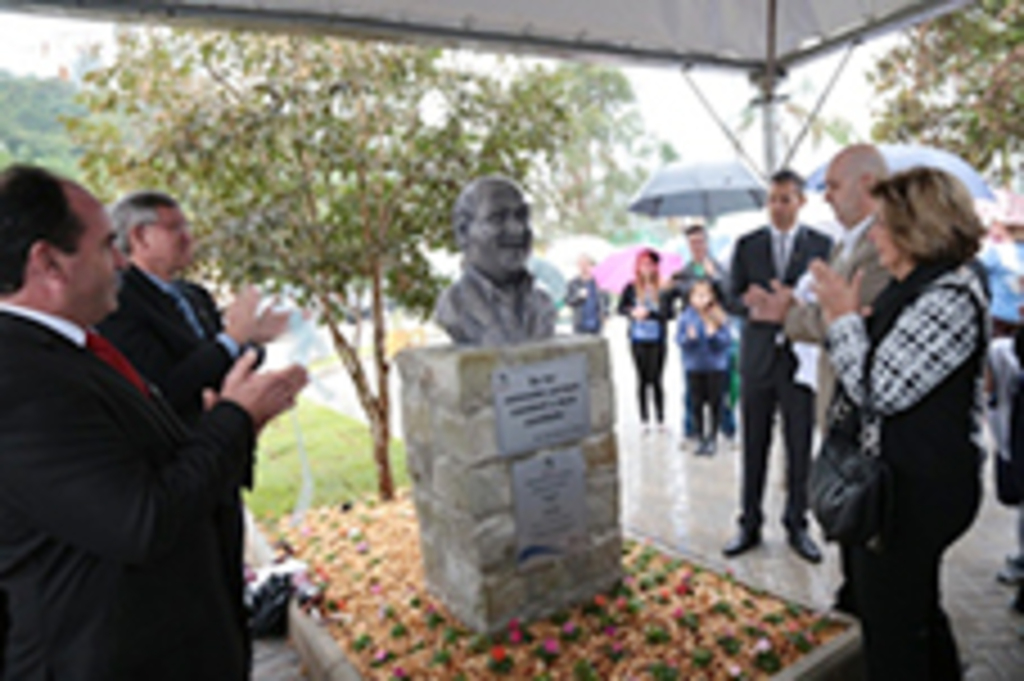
689, 504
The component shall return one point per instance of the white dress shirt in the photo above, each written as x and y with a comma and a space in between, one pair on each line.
73, 332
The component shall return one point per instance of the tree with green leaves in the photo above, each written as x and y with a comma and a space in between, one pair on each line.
31, 131
606, 158
957, 82
316, 166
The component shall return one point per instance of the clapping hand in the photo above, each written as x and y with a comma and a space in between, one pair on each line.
836, 296
245, 325
263, 395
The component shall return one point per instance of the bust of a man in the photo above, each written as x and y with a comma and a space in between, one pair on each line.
494, 302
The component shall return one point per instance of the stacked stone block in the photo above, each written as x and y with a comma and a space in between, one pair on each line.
463, 486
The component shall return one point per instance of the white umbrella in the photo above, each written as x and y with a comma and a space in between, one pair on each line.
709, 189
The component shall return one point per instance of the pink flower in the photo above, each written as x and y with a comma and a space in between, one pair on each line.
677, 613
609, 631
794, 627
762, 646
375, 589
617, 648
515, 636
569, 628
551, 646
734, 671
381, 656
628, 579
399, 673
362, 547
514, 624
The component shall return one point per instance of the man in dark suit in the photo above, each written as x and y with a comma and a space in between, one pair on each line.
774, 256
172, 332
107, 554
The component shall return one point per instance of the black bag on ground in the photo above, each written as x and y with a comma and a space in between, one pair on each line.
270, 607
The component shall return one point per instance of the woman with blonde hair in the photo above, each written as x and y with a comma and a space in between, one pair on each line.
914, 368
643, 303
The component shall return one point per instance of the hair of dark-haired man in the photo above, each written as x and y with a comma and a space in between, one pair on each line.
785, 176
694, 228
33, 207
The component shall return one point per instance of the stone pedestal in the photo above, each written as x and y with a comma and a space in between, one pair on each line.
464, 490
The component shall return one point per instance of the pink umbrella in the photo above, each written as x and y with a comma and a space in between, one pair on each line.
615, 271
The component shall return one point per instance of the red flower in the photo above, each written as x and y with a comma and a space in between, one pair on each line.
600, 600
498, 654
683, 589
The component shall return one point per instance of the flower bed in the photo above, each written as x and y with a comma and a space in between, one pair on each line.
669, 619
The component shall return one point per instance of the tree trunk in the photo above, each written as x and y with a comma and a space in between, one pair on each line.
381, 429
382, 422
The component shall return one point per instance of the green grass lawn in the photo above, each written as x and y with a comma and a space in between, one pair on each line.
340, 454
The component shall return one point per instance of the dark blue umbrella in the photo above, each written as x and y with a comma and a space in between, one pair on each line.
906, 156
691, 189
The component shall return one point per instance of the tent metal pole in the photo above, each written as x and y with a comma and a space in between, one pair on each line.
729, 134
768, 91
820, 103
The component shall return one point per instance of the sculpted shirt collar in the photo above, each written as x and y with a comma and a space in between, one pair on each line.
73, 332
517, 291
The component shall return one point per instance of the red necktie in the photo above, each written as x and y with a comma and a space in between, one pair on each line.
104, 349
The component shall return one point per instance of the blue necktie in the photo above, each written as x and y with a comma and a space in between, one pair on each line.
187, 311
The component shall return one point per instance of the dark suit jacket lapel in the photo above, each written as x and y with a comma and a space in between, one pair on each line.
762, 252
130, 403
161, 307
797, 254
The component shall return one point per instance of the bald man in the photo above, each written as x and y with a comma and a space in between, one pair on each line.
848, 182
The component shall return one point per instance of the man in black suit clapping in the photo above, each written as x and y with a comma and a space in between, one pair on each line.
108, 555
173, 333
773, 256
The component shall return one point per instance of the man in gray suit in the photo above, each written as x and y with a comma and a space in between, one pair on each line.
848, 182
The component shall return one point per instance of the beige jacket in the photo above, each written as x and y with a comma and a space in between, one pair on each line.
804, 322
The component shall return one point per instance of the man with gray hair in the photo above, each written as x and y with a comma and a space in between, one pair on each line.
171, 331
494, 302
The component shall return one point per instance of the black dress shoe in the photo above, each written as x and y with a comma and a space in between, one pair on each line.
804, 546
741, 543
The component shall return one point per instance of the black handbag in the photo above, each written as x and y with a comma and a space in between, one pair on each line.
851, 489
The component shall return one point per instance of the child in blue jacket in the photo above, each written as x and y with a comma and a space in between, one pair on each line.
704, 338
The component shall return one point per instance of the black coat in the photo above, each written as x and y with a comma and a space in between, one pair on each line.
151, 331
752, 263
106, 544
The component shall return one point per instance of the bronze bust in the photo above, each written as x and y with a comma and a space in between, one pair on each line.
494, 302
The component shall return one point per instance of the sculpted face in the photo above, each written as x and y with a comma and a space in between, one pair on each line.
498, 240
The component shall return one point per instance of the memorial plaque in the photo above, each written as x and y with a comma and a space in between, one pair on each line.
542, 404
550, 505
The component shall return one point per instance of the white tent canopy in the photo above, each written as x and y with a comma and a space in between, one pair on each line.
730, 33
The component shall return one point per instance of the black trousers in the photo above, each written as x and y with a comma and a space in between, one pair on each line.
897, 595
758, 404
649, 359
706, 388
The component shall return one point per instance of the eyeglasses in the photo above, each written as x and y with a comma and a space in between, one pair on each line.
176, 227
